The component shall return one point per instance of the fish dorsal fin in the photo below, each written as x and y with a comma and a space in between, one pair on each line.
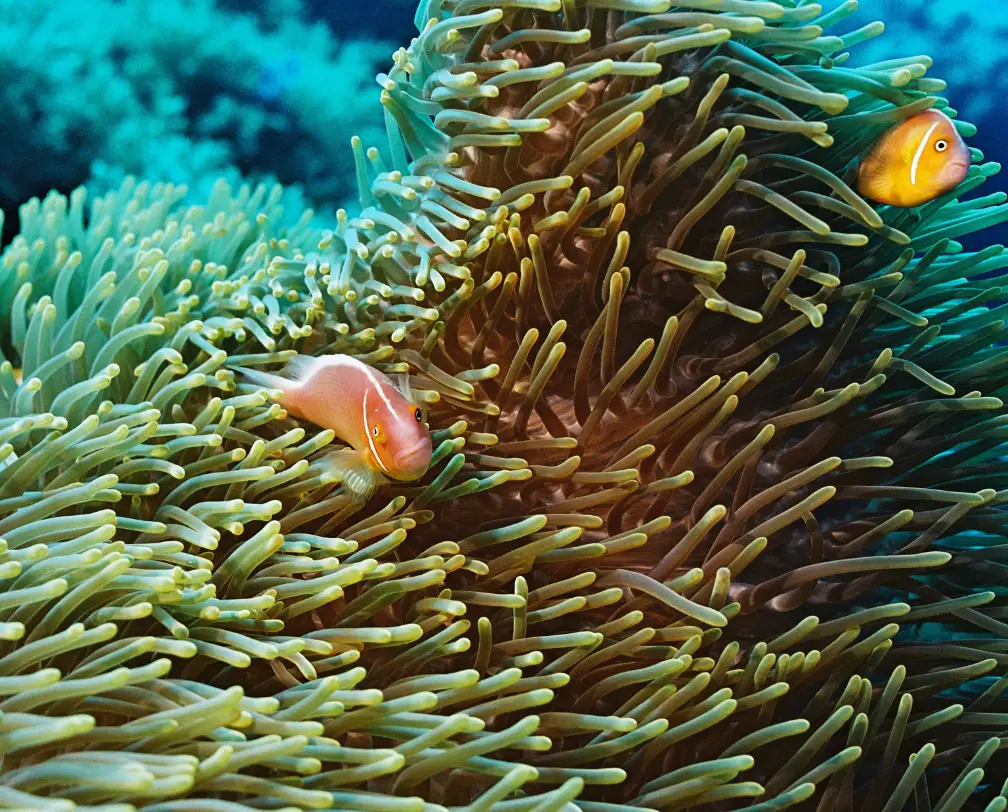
299, 367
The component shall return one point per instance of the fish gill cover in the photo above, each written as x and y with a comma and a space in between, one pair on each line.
717, 499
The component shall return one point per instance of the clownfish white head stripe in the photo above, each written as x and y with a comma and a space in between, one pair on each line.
368, 431
920, 152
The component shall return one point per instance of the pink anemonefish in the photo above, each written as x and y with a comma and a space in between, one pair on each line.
914, 161
386, 431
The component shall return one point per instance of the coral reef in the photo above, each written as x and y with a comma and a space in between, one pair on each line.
717, 491
179, 91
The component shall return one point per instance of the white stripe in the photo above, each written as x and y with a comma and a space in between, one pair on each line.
367, 432
920, 152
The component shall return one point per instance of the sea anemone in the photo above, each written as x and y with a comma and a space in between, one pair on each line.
714, 502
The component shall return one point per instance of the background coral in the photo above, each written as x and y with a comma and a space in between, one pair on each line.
717, 494
181, 91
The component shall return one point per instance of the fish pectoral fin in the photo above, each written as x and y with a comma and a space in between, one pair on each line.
359, 479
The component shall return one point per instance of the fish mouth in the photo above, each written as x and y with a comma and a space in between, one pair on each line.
412, 462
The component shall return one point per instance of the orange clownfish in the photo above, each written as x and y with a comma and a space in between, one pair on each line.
386, 431
914, 162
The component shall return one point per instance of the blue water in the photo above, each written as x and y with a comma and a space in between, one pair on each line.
186, 90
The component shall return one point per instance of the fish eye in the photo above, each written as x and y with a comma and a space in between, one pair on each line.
418, 415
376, 431
941, 145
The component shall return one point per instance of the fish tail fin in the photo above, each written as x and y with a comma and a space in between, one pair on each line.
359, 479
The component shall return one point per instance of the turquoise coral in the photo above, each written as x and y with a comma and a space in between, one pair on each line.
713, 440
173, 91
